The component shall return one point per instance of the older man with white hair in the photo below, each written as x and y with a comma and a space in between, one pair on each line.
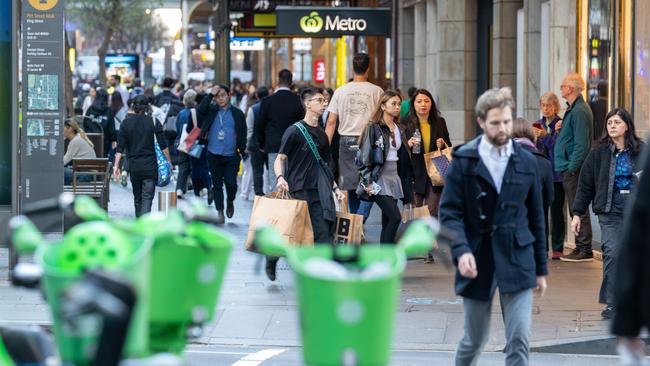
571, 149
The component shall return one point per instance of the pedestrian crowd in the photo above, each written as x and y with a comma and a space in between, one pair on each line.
503, 196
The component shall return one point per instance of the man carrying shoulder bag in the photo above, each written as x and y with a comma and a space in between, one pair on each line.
303, 168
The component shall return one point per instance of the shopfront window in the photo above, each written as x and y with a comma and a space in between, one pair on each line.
599, 61
642, 68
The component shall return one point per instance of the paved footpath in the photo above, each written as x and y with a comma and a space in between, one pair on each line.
256, 313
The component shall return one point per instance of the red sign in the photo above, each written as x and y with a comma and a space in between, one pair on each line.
319, 71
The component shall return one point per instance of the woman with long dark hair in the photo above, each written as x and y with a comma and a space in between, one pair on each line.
424, 117
137, 137
99, 119
385, 166
608, 176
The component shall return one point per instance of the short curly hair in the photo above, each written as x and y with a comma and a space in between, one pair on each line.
494, 98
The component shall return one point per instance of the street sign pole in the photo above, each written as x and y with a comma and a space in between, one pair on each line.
43, 106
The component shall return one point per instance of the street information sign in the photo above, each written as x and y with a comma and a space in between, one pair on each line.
43, 106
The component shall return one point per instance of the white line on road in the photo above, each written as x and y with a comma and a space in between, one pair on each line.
255, 359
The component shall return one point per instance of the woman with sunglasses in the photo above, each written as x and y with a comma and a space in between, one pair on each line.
423, 116
385, 165
607, 177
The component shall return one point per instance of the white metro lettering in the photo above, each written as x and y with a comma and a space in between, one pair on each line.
345, 24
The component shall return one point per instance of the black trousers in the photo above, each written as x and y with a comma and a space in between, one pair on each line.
390, 217
583, 239
144, 188
258, 161
183, 171
558, 218
323, 229
223, 170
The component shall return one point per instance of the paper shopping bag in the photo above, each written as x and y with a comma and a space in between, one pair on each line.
349, 228
437, 164
289, 216
411, 213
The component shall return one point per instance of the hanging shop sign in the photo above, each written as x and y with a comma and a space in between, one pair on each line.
332, 22
43, 107
319, 71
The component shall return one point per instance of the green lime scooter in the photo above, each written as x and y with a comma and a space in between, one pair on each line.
175, 263
348, 295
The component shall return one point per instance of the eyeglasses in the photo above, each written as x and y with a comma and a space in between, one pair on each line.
320, 100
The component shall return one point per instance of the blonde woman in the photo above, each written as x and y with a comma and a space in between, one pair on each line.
79, 147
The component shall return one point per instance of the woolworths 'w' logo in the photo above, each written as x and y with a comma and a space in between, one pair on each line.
311, 23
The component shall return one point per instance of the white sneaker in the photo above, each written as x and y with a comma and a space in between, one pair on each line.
203, 192
179, 193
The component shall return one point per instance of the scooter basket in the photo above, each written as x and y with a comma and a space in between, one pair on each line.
87, 246
347, 322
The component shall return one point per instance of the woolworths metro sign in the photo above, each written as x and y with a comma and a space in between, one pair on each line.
328, 22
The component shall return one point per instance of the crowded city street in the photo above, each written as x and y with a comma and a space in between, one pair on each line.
324, 183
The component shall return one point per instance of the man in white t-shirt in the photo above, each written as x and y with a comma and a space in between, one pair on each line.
353, 105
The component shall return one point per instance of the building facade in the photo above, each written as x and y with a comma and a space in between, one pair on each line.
459, 48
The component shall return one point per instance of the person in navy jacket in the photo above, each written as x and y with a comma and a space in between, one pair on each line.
492, 205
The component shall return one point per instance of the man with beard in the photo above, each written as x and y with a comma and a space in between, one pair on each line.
492, 204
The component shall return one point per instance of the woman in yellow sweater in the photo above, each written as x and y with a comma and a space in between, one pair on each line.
424, 117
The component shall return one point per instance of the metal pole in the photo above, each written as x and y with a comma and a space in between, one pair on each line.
15, 131
185, 57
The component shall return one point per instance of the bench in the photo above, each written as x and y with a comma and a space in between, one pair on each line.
98, 187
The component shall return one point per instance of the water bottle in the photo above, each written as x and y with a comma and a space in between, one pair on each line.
417, 147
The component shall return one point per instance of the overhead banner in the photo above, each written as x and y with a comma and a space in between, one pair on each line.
43, 106
332, 22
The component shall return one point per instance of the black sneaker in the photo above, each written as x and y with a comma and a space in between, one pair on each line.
271, 266
230, 209
210, 197
577, 256
608, 312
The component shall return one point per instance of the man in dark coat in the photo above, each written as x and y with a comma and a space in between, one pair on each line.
632, 289
492, 204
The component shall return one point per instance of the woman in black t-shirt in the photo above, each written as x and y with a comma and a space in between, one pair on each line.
137, 137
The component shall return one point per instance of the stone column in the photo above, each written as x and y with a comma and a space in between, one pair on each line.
455, 86
532, 11
563, 42
431, 81
420, 43
504, 43
406, 46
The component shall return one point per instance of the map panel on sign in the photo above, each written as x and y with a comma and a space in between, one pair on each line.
42, 92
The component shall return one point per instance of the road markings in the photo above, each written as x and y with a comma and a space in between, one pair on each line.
256, 359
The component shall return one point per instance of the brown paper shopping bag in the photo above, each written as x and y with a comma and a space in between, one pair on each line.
437, 163
349, 228
411, 213
289, 216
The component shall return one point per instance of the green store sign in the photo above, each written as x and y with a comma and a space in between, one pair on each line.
327, 22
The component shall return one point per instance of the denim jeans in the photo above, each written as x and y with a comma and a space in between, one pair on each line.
358, 206
517, 313
273, 180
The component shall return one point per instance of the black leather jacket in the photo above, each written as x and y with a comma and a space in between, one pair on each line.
370, 170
